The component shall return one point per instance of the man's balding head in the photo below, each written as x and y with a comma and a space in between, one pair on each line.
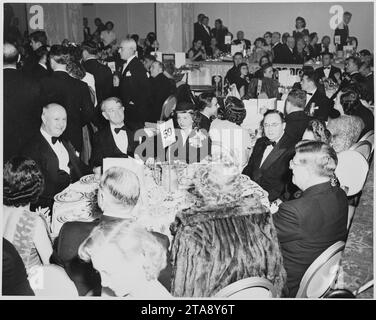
10, 56
54, 119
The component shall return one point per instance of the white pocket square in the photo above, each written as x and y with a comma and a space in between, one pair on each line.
128, 74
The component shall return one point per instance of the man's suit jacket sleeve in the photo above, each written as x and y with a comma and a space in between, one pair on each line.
286, 222
87, 107
97, 152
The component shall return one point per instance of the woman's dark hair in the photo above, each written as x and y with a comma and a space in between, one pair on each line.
23, 182
109, 22
243, 64
266, 66
350, 100
219, 21
204, 100
234, 110
195, 41
263, 57
302, 20
312, 36
351, 39
151, 37
268, 33
260, 39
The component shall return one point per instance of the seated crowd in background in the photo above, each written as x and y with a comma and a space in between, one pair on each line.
65, 111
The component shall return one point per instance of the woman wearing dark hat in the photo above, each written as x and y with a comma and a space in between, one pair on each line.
228, 132
192, 145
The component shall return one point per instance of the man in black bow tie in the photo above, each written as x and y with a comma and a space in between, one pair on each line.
269, 162
328, 70
55, 156
134, 87
318, 105
115, 140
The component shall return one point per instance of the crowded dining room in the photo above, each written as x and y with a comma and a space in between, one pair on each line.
161, 151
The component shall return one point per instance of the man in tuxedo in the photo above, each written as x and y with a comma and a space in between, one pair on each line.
240, 40
55, 156
197, 26
117, 196
233, 74
208, 107
21, 104
102, 74
161, 89
296, 118
328, 70
71, 93
286, 54
115, 140
204, 32
42, 69
343, 30
318, 105
309, 225
269, 163
148, 61
366, 71
352, 66
37, 40
276, 47
135, 91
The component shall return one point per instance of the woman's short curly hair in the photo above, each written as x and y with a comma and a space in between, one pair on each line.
23, 182
234, 110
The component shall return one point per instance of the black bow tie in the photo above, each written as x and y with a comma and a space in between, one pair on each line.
309, 93
117, 130
270, 143
326, 68
54, 139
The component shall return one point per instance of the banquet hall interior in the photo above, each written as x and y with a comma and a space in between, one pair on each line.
196, 149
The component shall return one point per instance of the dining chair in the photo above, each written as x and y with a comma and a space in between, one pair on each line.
370, 137
52, 281
168, 107
253, 288
351, 171
364, 148
322, 273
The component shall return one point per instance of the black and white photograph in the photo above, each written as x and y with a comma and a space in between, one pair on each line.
172, 150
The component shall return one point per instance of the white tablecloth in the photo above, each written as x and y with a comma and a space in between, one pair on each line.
156, 215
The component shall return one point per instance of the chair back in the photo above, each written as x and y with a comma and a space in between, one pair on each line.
168, 107
364, 148
370, 137
322, 273
351, 171
252, 288
350, 215
52, 281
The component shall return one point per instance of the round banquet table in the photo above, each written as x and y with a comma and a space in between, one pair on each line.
156, 215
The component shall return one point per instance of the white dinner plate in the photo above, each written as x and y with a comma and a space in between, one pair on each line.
69, 196
89, 179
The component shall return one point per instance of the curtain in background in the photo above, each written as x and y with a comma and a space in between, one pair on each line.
61, 21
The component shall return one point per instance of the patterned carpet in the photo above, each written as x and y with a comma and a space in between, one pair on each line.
357, 261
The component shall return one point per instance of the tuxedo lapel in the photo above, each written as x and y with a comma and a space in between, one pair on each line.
277, 151
46, 150
109, 138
